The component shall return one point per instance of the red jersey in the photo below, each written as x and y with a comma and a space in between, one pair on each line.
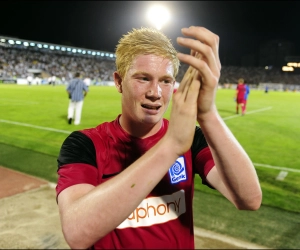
241, 91
164, 219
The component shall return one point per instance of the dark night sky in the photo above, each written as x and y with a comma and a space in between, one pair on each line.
241, 25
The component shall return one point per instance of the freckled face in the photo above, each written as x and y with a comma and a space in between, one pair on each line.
147, 89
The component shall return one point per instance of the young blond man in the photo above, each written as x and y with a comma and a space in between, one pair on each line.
128, 183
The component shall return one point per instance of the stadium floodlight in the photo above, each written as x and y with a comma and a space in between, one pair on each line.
57, 47
45, 46
40, 45
89, 52
3, 40
74, 50
52, 47
11, 41
26, 44
94, 53
63, 48
287, 68
158, 15
294, 64
83, 52
79, 50
18, 42
32, 44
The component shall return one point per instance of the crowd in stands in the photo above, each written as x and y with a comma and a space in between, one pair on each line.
252, 75
15, 62
256, 75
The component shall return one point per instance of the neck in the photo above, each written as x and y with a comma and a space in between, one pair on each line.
139, 129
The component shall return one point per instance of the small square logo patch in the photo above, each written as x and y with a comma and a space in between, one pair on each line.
177, 172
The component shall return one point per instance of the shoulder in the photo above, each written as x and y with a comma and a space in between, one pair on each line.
101, 133
77, 139
77, 147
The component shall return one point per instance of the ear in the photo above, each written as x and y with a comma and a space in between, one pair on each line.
118, 81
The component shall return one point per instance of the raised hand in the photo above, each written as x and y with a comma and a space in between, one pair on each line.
204, 58
184, 112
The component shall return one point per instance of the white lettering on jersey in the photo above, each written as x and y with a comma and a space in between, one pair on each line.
156, 210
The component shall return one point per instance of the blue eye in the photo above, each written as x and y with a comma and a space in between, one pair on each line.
167, 81
144, 79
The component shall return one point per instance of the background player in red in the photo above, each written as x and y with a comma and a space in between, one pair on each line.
128, 183
240, 96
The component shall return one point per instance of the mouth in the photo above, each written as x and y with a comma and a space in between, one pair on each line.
151, 107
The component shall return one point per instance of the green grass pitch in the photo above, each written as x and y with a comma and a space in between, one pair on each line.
33, 125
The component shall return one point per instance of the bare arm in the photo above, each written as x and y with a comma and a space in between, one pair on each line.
88, 213
234, 174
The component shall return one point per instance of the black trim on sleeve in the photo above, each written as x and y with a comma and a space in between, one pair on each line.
199, 142
77, 148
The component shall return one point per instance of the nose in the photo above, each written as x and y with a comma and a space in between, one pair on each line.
154, 90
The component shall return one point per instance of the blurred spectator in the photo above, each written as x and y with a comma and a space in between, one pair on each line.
29, 79
87, 81
77, 90
266, 89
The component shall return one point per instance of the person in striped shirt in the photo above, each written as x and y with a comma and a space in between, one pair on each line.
77, 90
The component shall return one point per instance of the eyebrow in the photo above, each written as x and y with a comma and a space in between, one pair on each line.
147, 74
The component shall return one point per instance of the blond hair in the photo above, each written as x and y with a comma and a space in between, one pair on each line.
241, 80
144, 41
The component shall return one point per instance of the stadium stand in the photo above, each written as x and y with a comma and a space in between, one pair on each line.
18, 61
22, 58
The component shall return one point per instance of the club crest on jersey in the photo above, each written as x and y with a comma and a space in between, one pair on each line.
177, 172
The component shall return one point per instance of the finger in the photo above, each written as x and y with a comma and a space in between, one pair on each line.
190, 68
205, 36
201, 48
185, 82
204, 72
193, 52
195, 73
192, 93
190, 75
194, 86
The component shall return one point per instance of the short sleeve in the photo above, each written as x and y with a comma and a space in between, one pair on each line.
76, 162
203, 161
77, 148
